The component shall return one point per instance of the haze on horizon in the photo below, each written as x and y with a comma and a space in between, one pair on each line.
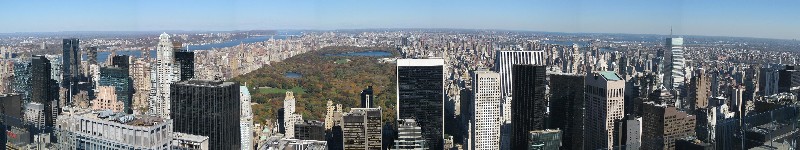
773, 19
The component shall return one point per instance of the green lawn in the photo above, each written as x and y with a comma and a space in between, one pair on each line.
342, 61
296, 90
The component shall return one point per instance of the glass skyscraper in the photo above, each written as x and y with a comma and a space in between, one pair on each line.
420, 96
208, 108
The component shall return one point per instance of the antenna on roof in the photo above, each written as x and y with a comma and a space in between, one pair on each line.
670, 31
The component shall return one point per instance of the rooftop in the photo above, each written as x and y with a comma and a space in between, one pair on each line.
610, 76
420, 62
189, 137
122, 118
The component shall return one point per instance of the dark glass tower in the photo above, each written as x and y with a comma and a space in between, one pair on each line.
207, 108
122, 61
120, 79
528, 105
420, 96
41, 91
185, 61
566, 108
367, 98
70, 66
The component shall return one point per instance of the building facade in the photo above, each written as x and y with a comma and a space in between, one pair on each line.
362, 129
420, 96
485, 112
246, 119
166, 74
605, 103
567, 108
208, 108
529, 105
544, 139
663, 124
504, 60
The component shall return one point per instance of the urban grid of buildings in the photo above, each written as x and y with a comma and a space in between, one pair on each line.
469, 90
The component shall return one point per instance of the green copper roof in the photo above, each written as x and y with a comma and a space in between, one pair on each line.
610, 76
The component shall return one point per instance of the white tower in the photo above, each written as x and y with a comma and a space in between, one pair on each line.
166, 74
485, 116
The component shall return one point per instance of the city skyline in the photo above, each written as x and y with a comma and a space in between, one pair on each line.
733, 19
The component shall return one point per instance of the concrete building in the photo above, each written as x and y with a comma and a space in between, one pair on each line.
485, 111
420, 96
409, 136
604, 107
183, 141
108, 130
504, 60
309, 130
333, 115
107, 100
167, 73
699, 90
663, 124
70, 65
544, 140
11, 105
140, 75
119, 78
246, 119
208, 108
35, 114
289, 116
633, 134
362, 129
567, 108
529, 105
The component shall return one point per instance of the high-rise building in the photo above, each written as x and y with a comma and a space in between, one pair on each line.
788, 78
42, 89
485, 114
675, 74
662, 125
605, 103
121, 61
409, 136
309, 130
166, 74
140, 75
183, 141
420, 96
544, 140
246, 119
185, 60
289, 116
11, 105
119, 78
22, 79
633, 134
367, 98
361, 129
106, 130
504, 60
529, 105
699, 90
208, 108
71, 61
567, 108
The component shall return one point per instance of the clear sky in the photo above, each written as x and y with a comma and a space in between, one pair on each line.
767, 19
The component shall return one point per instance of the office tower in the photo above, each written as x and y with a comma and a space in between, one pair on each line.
91, 55
42, 90
55, 68
529, 105
544, 139
118, 78
333, 116
208, 108
185, 60
335, 138
504, 60
281, 120
6, 76
35, 114
289, 116
420, 96
750, 83
485, 114
604, 107
367, 98
246, 119
633, 134
11, 105
166, 74
675, 74
107, 100
361, 129
22, 79
122, 61
663, 124
70, 65
409, 136
107, 130
309, 130
788, 78
183, 141
566, 108
769, 81
699, 88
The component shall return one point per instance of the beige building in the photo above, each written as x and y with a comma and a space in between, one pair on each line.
107, 100
605, 102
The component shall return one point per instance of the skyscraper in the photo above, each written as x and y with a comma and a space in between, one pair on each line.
604, 96
166, 74
185, 60
420, 96
699, 90
70, 66
663, 124
246, 119
42, 90
529, 105
409, 136
544, 140
362, 128
485, 116
675, 74
367, 98
208, 108
120, 79
504, 60
289, 116
567, 108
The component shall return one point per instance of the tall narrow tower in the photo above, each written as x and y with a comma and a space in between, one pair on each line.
675, 72
166, 74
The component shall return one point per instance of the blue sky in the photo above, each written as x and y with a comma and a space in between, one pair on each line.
767, 19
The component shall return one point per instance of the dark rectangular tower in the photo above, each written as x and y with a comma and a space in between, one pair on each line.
70, 66
185, 60
567, 108
528, 105
420, 96
207, 108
